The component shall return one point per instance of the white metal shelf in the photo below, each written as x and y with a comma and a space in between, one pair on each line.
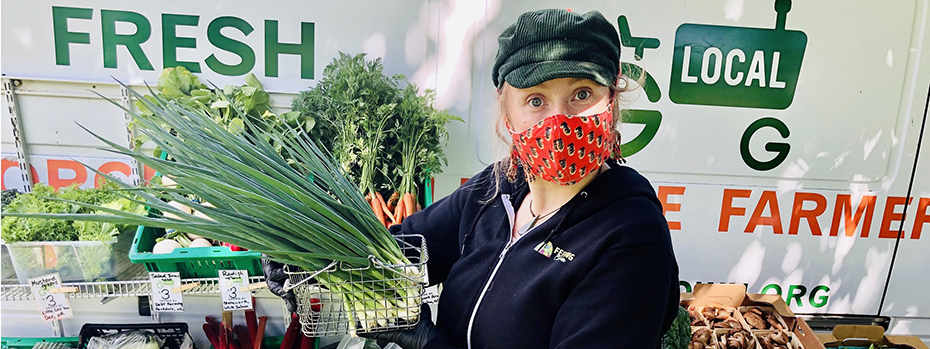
108, 289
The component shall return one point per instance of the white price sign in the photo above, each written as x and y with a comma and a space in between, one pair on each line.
166, 298
431, 295
52, 304
234, 288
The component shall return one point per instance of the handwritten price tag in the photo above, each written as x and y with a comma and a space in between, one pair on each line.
165, 297
231, 284
431, 295
54, 306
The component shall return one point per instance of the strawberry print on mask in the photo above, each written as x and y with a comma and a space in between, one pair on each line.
564, 149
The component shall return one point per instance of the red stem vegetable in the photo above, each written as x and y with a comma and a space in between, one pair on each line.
245, 340
252, 322
260, 333
291, 334
211, 334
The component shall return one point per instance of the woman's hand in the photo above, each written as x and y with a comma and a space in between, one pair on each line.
415, 338
275, 278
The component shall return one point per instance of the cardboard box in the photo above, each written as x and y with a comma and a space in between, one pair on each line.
864, 336
734, 295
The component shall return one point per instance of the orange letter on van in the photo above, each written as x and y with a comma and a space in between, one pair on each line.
663, 194
54, 171
890, 216
110, 167
920, 217
844, 208
770, 199
5, 164
798, 212
727, 210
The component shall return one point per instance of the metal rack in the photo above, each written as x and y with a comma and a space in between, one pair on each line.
110, 289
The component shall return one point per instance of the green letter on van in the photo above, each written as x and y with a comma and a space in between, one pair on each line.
242, 50
63, 37
171, 41
133, 42
273, 48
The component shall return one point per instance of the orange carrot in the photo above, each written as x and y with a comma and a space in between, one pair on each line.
384, 207
409, 203
376, 207
399, 212
392, 201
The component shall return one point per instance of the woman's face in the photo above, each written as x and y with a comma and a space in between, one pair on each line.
564, 96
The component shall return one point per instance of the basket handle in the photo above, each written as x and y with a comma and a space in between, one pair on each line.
382, 265
287, 283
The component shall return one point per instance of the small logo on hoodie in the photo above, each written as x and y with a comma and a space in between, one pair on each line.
555, 253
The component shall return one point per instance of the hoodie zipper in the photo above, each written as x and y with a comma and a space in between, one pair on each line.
500, 260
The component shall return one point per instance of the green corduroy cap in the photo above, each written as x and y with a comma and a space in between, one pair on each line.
550, 44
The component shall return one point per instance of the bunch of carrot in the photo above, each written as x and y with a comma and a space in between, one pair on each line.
395, 209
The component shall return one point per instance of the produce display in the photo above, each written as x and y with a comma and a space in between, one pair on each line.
717, 326
38, 246
385, 138
301, 211
44, 199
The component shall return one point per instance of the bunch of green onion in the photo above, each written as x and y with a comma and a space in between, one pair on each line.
304, 213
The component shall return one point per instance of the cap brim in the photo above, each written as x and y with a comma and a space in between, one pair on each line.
536, 73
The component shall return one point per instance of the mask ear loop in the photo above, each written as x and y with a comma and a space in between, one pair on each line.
617, 151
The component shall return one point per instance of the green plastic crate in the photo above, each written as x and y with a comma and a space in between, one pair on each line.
191, 262
28, 343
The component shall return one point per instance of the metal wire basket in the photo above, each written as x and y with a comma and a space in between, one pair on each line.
341, 299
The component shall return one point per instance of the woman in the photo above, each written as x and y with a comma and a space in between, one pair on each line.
558, 246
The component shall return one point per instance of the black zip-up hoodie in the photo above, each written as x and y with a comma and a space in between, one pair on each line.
610, 279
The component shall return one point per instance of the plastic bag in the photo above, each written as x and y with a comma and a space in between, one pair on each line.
126, 340
349, 342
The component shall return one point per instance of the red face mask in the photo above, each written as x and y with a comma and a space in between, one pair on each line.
564, 149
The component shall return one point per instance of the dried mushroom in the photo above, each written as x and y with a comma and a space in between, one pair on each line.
729, 323
715, 311
696, 319
718, 316
772, 320
760, 320
703, 338
775, 340
739, 339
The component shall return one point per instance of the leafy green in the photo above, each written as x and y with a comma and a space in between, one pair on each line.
178, 85
420, 132
44, 199
8, 196
352, 104
383, 136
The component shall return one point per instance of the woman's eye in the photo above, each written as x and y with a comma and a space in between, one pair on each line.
536, 102
582, 95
